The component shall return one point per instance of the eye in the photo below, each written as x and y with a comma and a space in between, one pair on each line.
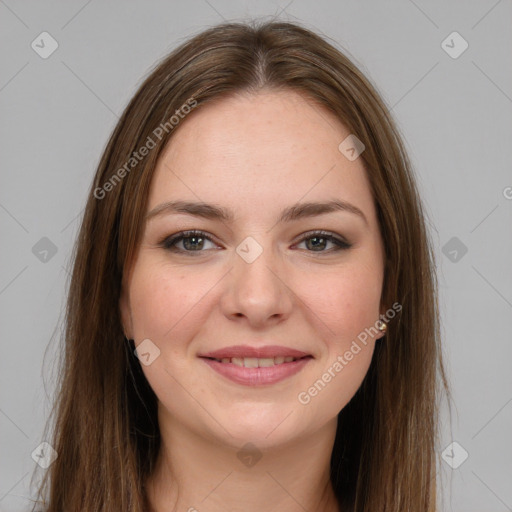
194, 241
317, 241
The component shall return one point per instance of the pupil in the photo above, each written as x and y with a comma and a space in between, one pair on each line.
316, 244
187, 241
191, 240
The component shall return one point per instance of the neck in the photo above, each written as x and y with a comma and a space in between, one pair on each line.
198, 474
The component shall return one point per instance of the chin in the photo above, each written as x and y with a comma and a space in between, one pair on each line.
265, 425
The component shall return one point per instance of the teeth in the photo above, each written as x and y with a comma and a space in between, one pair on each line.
254, 362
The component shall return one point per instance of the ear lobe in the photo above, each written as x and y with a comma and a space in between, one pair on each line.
382, 326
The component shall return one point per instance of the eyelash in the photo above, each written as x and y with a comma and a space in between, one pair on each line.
169, 243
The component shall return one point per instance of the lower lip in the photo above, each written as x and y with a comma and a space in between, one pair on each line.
257, 376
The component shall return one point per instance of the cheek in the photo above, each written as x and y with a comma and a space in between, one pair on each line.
346, 307
346, 300
166, 308
333, 389
162, 297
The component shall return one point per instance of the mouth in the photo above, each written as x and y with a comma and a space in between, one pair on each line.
255, 362
256, 366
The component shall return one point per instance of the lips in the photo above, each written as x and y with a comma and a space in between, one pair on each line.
255, 362
245, 351
256, 366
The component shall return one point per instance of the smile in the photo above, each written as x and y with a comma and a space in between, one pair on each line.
256, 366
254, 362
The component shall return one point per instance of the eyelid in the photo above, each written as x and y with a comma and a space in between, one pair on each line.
323, 233
177, 237
169, 242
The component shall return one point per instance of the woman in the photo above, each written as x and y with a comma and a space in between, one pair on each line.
252, 320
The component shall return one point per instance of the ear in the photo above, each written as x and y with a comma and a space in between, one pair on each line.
382, 316
380, 335
126, 314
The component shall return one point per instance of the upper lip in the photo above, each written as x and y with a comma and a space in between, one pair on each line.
257, 352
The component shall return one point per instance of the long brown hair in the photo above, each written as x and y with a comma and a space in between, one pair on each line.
105, 427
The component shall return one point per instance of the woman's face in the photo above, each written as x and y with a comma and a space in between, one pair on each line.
259, 286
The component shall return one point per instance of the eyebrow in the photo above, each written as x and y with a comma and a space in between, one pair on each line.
292, 213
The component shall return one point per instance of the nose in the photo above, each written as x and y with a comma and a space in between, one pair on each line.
256, 290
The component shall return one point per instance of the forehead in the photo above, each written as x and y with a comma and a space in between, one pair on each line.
265, 150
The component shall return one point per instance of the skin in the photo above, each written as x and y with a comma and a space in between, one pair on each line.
256, 155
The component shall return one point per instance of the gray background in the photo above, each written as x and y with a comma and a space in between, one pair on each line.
455, 114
